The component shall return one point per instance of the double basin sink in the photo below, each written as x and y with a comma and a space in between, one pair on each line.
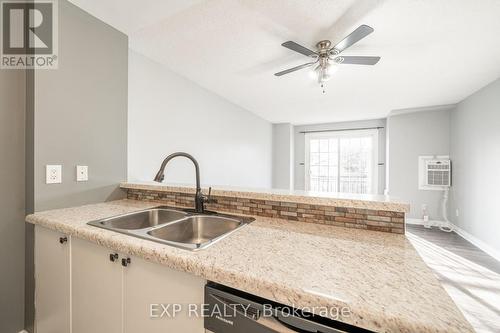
182, 228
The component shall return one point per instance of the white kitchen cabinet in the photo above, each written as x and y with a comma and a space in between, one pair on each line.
96, 289
82, 287
147, 286
52, 281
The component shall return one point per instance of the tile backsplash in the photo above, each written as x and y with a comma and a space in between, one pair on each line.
378, 220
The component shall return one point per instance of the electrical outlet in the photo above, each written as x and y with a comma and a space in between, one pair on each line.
53, 174
82, 173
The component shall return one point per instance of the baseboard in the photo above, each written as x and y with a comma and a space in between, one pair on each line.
477, 242
464, 234
433, 223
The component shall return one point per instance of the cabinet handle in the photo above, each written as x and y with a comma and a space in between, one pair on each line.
113, 257
63, 240
125, 262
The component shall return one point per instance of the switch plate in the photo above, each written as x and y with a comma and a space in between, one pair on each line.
53, 174
82, 173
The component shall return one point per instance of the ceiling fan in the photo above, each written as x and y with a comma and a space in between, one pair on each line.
327, 57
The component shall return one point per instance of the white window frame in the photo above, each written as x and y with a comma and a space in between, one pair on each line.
352, 134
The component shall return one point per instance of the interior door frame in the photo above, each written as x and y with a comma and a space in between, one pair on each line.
374, 133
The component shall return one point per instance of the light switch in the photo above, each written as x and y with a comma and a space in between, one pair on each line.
53, 174
82, 173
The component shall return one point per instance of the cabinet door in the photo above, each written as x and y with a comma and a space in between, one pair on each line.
147, 285
52, 281
96, 289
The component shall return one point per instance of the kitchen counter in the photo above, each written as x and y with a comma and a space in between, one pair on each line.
378, 277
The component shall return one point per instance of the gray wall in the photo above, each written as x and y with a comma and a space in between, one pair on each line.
299, 148
475, 153
29, 281
283, 156
411, 135
169, 113
78, 115
12, 199
81, 112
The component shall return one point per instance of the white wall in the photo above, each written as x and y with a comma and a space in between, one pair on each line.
283, 156
299, 147
409, 136
168, 113
475, 152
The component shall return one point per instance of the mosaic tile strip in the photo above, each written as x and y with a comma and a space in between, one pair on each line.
377, 220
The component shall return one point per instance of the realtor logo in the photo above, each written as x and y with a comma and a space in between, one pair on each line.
29, 34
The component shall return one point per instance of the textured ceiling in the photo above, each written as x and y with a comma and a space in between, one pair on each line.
433, 52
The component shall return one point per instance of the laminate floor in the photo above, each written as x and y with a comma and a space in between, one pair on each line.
470, 276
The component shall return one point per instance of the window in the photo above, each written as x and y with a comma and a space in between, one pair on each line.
342, 161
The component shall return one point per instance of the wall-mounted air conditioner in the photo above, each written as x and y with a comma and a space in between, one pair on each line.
434, 172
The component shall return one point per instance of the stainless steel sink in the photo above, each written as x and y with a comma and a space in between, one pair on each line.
176, 227
196, 230
142, 219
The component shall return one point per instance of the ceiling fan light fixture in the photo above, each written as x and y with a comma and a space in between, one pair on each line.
323, 75
325, 71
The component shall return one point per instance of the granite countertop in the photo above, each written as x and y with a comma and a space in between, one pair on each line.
378, 277
361, 201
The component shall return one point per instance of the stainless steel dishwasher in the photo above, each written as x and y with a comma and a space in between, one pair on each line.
233, 311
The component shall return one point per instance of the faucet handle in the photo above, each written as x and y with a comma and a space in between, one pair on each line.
209, 199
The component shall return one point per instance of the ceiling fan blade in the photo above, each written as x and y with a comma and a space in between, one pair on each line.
298, 48
357, 60
293, 69
361, 32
